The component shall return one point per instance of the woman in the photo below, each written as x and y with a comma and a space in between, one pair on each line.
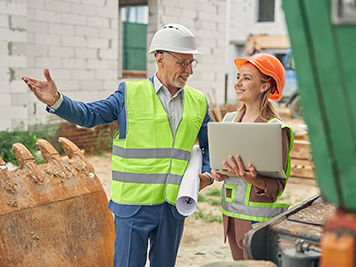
249, 199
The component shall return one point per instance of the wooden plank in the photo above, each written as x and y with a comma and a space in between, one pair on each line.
300, 180
302, 172
302, 162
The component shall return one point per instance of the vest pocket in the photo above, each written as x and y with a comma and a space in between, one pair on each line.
230, 193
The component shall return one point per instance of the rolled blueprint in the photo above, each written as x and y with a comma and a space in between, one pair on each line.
188, 193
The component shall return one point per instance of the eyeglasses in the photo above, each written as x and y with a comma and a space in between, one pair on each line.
185, 63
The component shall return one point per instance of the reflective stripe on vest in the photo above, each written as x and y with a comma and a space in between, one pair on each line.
149, 163
239, 204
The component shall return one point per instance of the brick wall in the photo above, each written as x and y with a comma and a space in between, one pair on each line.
79, 41
76, 39
13, 62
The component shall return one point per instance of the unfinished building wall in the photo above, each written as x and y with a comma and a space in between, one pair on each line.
206, 20
76, 39
243, 19
13, 63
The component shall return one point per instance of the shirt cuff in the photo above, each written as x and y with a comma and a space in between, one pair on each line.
56, 105
211, 178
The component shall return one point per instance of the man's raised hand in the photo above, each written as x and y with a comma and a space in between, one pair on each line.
45, 91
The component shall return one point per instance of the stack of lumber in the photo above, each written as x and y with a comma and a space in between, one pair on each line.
302, 171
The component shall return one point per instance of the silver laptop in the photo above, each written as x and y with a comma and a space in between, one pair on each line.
256, 143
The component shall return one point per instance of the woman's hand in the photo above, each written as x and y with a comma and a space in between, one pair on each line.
237, 168
218, 176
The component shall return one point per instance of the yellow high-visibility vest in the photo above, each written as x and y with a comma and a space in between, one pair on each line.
149, 163
239, 204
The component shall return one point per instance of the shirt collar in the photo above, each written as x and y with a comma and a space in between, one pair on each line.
158, 85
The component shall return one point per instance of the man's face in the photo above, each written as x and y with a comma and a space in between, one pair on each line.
171, 72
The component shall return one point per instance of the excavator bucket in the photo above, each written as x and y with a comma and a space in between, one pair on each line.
54, 214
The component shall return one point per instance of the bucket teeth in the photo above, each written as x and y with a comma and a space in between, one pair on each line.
55, 166
5, 176
77, 157
27, 163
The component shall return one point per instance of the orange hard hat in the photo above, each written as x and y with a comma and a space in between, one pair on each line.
269, 65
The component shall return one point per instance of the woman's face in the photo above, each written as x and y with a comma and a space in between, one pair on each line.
248, 85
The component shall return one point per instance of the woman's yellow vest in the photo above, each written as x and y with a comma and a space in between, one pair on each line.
149, 163
239, 204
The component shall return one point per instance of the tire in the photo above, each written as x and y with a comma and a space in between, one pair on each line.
296, 108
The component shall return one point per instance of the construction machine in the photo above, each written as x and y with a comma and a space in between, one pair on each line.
54, 214
322, 230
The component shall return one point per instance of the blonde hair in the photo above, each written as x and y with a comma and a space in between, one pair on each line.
267, 110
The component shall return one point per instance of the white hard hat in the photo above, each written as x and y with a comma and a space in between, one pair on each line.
174, 38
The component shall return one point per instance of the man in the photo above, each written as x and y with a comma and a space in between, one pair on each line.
159, 120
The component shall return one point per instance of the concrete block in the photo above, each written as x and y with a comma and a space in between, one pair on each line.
5, 99
188, 13
87, 96
17, 23
57, 6
107, 12
97, 42
98, 64
55, 51
83, 9
171, 10
5, 125
108, 54
17, 48
98, 22
84, 74
47, 39
74, 41
75, 63
110, 86
37, 50
36, 4
74, 19
87, 85
68, 52
61, 74
112, 3
13, 112
4, 73
165, 19
106, 74
18, 99
13, 61
37, 26
36, 73
30, 61
12, 36
18, 86
67, 85
48, 62
86, 31
13, 8
60, 29
94, 2
14, 74
74, 1
84, 53
4, 47
30, 14
108, 33
47, 16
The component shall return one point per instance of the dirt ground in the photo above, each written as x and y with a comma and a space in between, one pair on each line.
203, 240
